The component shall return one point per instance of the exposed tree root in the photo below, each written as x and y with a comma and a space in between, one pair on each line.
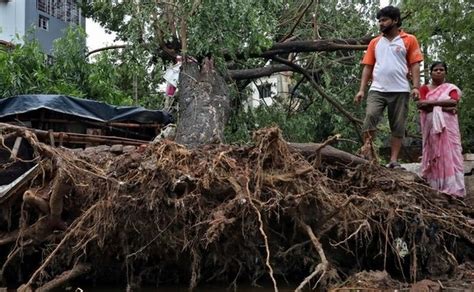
224, 213
321, 267
78, 270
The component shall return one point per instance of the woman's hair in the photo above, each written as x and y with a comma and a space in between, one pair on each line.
390, 12
437, 63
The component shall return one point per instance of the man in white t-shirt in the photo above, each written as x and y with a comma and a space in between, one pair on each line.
390, 58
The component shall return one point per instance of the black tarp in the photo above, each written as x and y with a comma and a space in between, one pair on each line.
84, 108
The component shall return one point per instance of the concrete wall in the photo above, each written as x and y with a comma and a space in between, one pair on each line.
44, 37
22, 16
12, 20
279, 86
55, 30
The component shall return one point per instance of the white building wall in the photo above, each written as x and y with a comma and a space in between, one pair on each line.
279, 83
255, 100
12, 20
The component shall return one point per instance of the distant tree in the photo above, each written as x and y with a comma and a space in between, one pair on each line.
446, 30
25, 69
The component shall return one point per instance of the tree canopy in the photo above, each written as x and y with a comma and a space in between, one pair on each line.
446, 31
321, 42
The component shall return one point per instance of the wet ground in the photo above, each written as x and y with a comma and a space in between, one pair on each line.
185, 289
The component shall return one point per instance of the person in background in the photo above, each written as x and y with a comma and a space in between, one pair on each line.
442, 161
390, 58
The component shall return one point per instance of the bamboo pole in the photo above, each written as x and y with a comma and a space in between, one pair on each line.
69, 137
105, 124
84, 138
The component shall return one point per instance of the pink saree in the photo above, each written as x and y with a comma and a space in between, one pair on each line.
442, 162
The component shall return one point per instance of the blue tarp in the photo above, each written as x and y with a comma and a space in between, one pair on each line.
84, 108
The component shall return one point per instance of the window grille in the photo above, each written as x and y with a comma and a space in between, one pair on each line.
44, 6
43, 22
265, 90
65, 10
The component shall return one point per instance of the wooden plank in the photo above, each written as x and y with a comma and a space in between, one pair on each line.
16, 147
61, 139
6, 191
51, 137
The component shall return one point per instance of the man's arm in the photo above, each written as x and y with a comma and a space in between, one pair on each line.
366, 73
415, 74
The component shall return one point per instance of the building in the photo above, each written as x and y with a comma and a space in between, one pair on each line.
267, 90
43, 20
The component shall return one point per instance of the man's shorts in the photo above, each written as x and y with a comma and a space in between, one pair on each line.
397, 103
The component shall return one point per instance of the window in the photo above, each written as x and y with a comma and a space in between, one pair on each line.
44, 6
49, 60
265, 90
65, 10
43, 22
72, 11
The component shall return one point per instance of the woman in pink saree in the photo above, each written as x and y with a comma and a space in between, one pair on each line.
442, 161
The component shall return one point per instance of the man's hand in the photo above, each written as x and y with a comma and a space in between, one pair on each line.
359, 96
420, 104
415, 94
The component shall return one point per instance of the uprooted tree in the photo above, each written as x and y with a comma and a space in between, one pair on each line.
272, 212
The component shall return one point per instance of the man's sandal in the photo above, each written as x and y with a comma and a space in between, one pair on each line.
394, 165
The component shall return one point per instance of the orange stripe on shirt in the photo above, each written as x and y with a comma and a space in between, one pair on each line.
369, 57
414, 54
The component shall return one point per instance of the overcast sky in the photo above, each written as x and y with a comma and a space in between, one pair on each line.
96, 35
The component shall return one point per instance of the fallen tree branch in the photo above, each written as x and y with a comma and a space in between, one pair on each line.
259, 72
327, 45
252, 73
297, 22
114, 47
333, 102
284, 47
328, 153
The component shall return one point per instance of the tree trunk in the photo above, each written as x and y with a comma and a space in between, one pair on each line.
328, 153
204, 105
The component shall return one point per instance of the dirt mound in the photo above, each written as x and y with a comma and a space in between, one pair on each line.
377, 280
168, 214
